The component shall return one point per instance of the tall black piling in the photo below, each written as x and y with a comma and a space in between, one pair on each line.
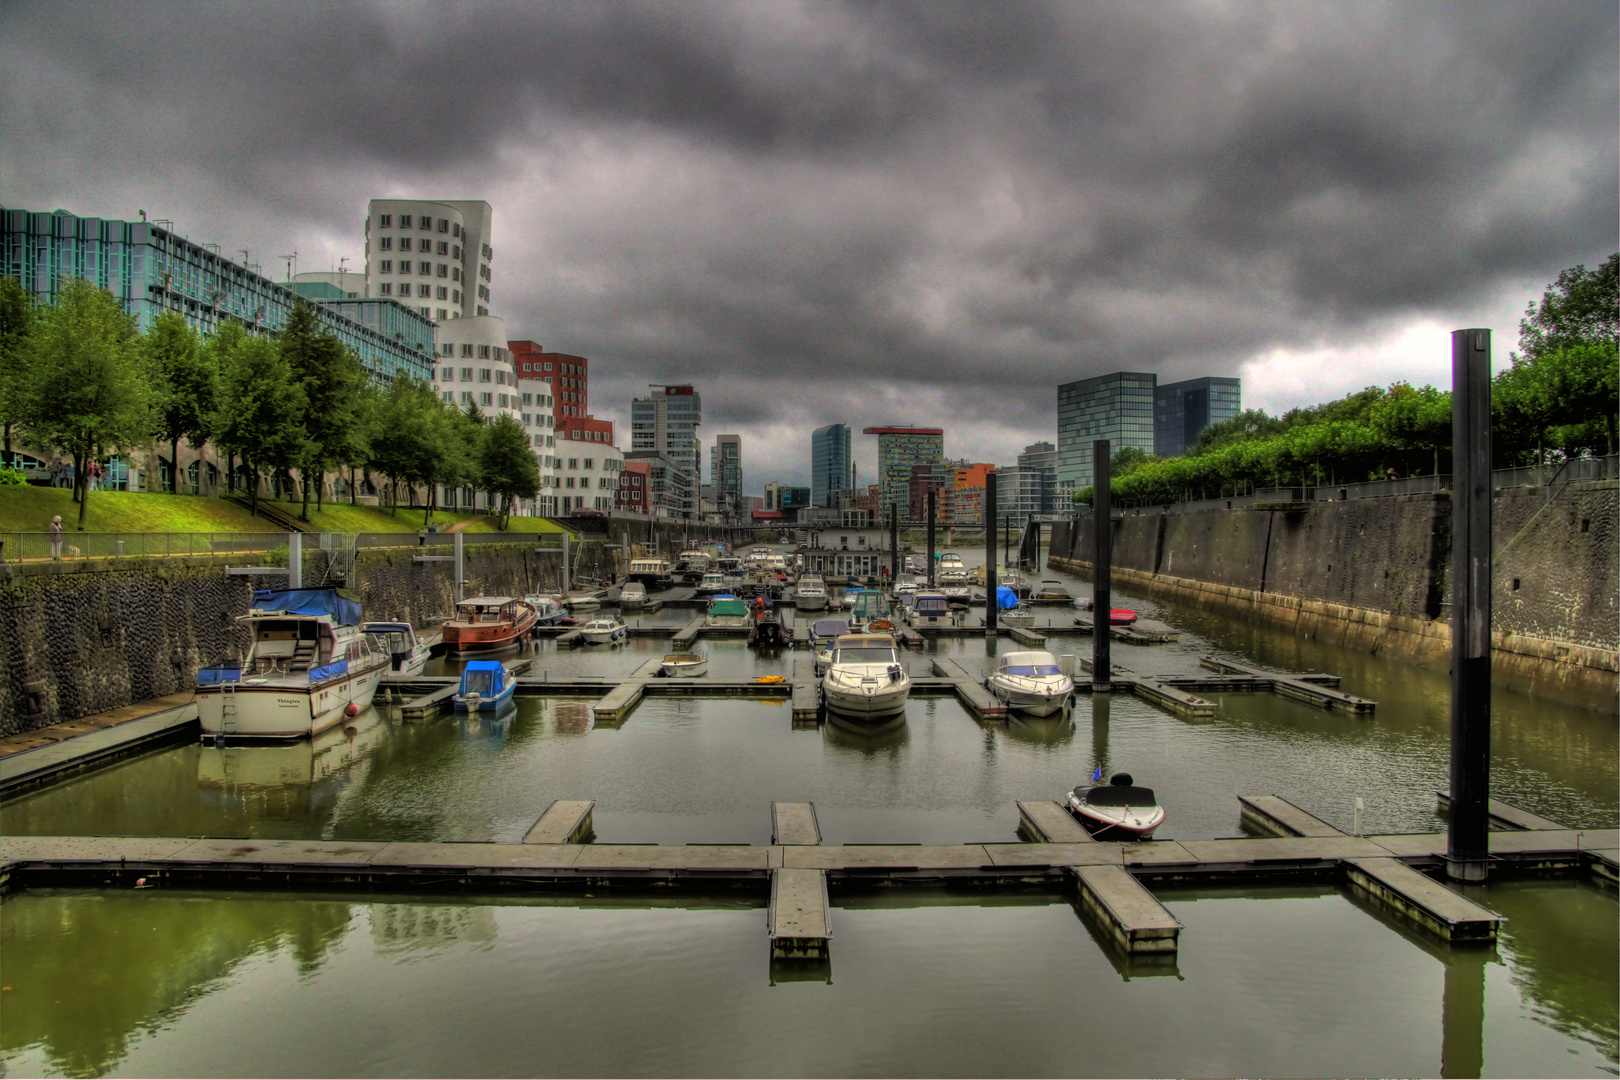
1102, 565
932, 496
990, 554
894, 542
1467, 839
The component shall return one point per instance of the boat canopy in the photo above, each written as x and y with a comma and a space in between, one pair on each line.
728, 606
1005, 598
309, 602
829, 628
486, 678
1118, 795
931, 604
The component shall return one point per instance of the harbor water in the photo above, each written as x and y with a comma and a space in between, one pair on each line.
1301, 980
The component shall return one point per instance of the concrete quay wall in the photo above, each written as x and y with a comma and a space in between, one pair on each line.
1372, 574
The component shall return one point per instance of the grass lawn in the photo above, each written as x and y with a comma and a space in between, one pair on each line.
29, 509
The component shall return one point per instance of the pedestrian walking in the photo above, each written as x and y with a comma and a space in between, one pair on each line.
56, 538
56, 472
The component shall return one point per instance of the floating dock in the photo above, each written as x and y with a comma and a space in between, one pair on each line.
1300, 688
566, 821
799, 918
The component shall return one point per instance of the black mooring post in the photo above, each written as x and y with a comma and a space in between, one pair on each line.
894, 543
932, 495
990, 554
1467, 842
1102, 565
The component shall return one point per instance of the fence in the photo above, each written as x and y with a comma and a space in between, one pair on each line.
251, 547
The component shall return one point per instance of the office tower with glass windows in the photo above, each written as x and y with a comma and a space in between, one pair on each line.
725, 474
1117, 407
830, 463
1181, 411
899, 448
666, 423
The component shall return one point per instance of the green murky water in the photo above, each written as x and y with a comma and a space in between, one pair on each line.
1272, 981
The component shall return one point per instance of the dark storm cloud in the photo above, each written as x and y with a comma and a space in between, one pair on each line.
929, 212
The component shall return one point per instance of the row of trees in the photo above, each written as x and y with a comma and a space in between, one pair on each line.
1558, 400
78, 377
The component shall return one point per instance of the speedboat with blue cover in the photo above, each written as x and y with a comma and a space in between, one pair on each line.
485, 686
309, 664
1031, 681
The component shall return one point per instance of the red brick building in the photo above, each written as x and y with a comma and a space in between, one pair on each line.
633, 487
568, 377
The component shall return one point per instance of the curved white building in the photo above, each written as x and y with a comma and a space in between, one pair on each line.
434, 256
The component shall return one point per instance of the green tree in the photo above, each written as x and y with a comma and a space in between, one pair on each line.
1127, 460
17, 318
219, 354
410, 435
1581, 308
185, 386
1414, 421
261, 413
509, 467
88, 390
329, 375
368, 401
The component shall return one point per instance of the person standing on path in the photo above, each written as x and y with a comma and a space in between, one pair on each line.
56, 538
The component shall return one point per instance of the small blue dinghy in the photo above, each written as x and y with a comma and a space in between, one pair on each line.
485, 685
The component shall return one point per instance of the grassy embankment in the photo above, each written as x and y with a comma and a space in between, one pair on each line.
29, 509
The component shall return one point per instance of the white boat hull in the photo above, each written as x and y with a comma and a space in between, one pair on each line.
685, 671
1117, 822
603, 637
867, 700
1041, 697
268, 711
811, 603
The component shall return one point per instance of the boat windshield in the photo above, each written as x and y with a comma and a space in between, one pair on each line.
478, 682
1031, 669
932, 605
866, 656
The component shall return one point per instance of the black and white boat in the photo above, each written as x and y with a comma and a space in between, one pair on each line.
1118, 810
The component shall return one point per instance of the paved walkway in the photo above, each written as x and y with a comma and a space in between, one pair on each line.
68, 729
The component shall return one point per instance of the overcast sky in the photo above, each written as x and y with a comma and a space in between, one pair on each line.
923, 214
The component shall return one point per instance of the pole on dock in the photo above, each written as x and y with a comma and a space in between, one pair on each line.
894, 543
295, 560
1102, 565
461, 578
932, 496
990, 554
565, 567
1467, 840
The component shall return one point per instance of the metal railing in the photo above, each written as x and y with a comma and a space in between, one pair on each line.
37, 546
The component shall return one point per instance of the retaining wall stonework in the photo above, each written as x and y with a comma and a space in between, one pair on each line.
1372, 574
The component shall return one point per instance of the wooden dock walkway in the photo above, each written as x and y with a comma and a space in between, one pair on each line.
799, 918
1503, 816
794, 824
1133, 917
566, 821
969, 691
1049, 823
683, 639
1276, 816
1301, 689
806, 689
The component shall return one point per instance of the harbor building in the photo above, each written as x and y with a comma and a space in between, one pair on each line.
830, 462
665, 423
433, 255
899, 448
1181, 411
1117, 406
725, 475
588, 466
151, 269
631, 497
670, 494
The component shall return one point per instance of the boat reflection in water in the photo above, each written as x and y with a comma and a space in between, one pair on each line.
333, 752
487, 723
866, 736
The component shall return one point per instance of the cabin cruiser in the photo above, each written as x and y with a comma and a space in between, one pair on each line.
1031, 682
584, 601
957, 593
931, 609
727, 612
712, 584
604, 630
810, 594
1051, 592
728, 564
905, 586
632, 594
870, 612
823, 633
684, 665
866, 679
548, 608
1117, 811
1022, 615
488, 624
486, 685
652, 573
407, 653
950, 563
1014, 580
309, 665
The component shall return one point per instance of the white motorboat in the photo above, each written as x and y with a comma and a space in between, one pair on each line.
728, 612
633, 594
584, 602
1118, 811
810, 594
1031, 682
949, 563
866, 679
604, 630
1051, 592
713, 583
824, 633
407, 653
1022, 615
685, 665
549, 608
931, 609
309, 665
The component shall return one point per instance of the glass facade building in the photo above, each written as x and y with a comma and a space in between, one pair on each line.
900, 448
725, 474
666, 423
829, 463
151, 270
1117, 407
1181, 411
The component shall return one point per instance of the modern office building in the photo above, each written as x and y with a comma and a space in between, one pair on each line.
670, 493
1019, 491
830, 463
725, 474
899, 448
1041, 457
666, 423
433, 255
1181, 411
964, 499
1117, 407
937, 477
151, 269
568, 376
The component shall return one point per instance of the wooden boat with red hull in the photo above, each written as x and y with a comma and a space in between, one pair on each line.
485, 624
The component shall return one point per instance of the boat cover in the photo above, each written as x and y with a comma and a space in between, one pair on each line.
487, 677
1006, 599
1118, 795
728, 606
829, 628
309, 602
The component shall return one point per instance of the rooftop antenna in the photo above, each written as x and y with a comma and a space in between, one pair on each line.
244, 252
342, 269
292, 263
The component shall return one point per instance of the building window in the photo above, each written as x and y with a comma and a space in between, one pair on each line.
573, 463
528, 399
455, 230
483, 352
569, 482
590, 463
427, 313
388, 288
444, 271
502, 399
443, 248
466, 350
424, 291
385, 221
486, 399
466, 372
448, 350
387, 266
425, 246
386, 244
441, 293
444, 225
455, 295
404, 221
449, 397
442, 314
483, 374
447, 374
548, 368
466, 397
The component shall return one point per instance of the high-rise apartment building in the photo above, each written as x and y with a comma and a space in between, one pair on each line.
899, 448
830, 464
725, 474
1117, 407
433, 255
1041, 458
666, 423
1181, 411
